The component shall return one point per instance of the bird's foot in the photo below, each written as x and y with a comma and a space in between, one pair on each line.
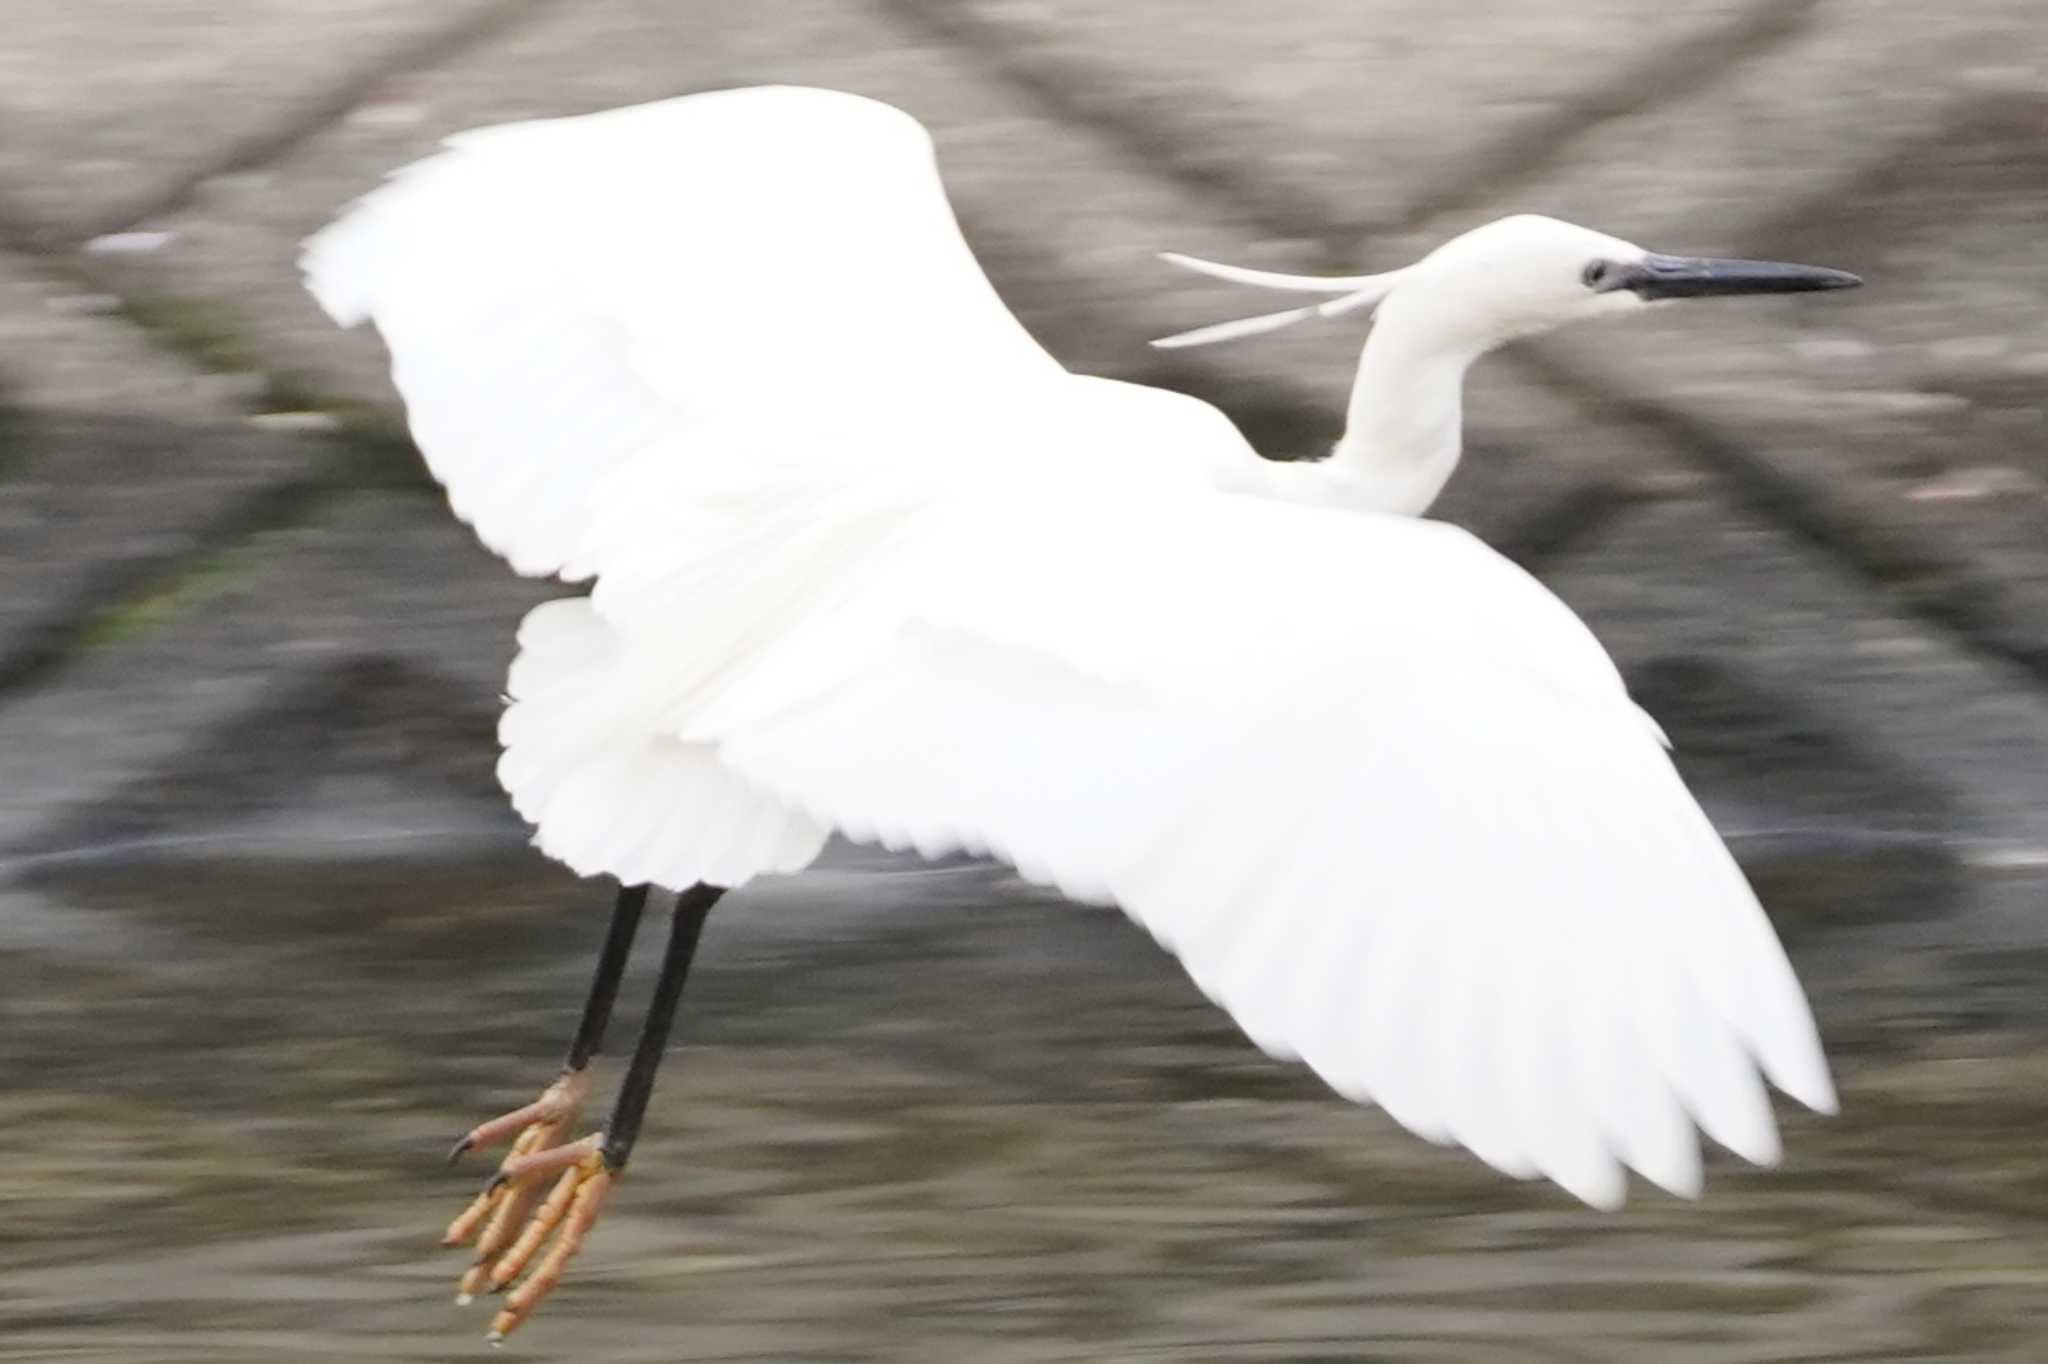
496, 1216
557, 1106
583, 1180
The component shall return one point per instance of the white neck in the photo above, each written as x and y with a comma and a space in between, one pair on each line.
1404, 429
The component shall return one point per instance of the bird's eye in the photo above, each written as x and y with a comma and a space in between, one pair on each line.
1596, 273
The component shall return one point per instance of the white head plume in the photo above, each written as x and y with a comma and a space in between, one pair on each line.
1354, 292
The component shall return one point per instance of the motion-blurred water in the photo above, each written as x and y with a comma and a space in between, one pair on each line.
925, 1115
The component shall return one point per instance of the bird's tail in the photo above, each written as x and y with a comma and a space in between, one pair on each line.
607, 795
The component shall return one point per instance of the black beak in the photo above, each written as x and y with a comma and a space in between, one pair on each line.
1658, 277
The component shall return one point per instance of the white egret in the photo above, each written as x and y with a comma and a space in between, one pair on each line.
866, 558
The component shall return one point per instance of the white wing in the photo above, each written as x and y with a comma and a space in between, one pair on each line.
652, 342
869, 560
1382, 794
562, 296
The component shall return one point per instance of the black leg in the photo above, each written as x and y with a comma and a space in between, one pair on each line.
604, 986
561, 1100
586, 1168
631, 1106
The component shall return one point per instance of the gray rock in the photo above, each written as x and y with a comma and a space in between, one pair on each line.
117, 463
328, 675
1903, 426
1352, 117
110, 107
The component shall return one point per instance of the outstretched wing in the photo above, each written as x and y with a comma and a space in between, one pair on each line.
562, 297
1382, 793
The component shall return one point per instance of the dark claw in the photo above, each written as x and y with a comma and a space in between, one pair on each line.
497, 1182
459, 1150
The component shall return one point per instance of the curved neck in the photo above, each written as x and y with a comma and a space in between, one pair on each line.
1404, 427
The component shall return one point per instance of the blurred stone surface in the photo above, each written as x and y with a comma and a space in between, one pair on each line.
65, 350
1355, 116
108, 106
117, 461
1790, 122
1907, 736
326, 666
96, 506
1908, 422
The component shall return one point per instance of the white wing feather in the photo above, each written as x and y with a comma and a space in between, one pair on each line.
870, 561
1406, 827
560, 296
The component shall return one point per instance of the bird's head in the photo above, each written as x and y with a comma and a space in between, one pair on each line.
1514, 277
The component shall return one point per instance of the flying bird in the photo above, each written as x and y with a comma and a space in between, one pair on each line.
864, 558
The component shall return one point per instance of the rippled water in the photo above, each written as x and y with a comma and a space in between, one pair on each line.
928, 1115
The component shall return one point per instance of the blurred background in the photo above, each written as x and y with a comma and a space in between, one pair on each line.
269, 937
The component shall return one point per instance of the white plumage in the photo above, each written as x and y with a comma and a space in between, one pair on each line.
867, 559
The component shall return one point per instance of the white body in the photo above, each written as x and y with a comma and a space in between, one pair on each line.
868, 559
